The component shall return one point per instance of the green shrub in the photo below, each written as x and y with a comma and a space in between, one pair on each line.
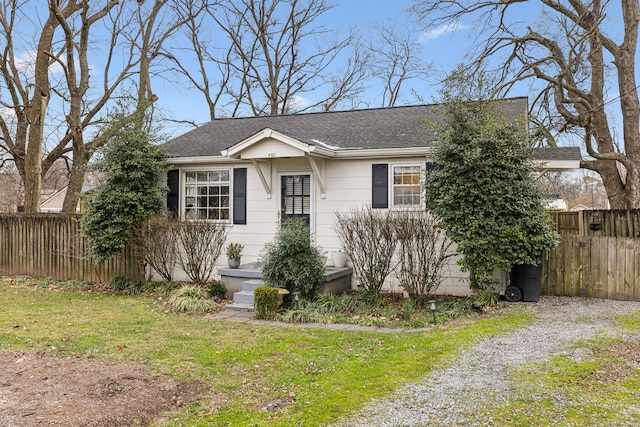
485, 299
217, 289
291, 262
190, 298
266, 302
70, 285
130, 285
131, 162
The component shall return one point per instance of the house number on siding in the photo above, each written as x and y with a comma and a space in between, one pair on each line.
271, 154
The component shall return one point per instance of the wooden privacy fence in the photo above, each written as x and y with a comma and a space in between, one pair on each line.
610, 223
51, 245
593, 266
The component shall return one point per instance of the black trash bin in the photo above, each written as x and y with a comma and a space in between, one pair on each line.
527, 278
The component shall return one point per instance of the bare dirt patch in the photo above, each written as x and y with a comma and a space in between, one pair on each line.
44, 389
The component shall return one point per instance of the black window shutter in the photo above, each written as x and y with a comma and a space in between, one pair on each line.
173, 196
380, 186
429, 166
240, 196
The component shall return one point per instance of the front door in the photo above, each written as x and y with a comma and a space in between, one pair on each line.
296, 197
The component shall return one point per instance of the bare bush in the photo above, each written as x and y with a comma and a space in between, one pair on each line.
423, 252
368, 237
158, 238
201, 243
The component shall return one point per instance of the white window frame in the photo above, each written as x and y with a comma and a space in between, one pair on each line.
392, 185
184, 185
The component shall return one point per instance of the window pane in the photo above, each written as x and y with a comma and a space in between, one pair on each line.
306, 187
306, 208
209, 191
406, 186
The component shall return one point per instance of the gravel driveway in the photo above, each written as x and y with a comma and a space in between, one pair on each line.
452, 396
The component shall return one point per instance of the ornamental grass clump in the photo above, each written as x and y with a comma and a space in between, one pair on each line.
191, 298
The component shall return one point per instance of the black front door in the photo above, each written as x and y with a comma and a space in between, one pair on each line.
296, 197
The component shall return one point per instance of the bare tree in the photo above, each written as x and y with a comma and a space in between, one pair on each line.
396, 60
583, 188
576, 49
130, 34
273, 55
10, 188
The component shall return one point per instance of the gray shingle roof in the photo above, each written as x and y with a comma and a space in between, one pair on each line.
396, 127
557, 153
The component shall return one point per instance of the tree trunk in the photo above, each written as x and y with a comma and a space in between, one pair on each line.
36, 113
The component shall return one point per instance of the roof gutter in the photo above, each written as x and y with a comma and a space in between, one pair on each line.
383, 152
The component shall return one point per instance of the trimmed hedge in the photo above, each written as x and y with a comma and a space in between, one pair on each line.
266, 302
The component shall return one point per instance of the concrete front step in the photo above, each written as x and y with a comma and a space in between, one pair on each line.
251, 285
240, 306
243, 299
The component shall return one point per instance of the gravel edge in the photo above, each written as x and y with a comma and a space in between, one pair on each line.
480, 377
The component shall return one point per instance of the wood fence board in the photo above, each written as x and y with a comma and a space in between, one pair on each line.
616, 269
593, 282
610, 267
51, 245
628, 279
636, 263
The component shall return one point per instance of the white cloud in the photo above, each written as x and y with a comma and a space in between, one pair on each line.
7, 113
297, 103
443, 30
26, 62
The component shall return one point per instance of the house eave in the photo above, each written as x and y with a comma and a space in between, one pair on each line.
557, 165
304, 149
373, 153
199, 159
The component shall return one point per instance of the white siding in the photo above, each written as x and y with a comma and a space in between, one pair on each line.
347, 185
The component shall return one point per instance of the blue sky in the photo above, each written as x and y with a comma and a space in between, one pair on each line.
444, 49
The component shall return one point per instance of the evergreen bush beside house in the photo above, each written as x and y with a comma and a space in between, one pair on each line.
291, 262
483, 188
132, 162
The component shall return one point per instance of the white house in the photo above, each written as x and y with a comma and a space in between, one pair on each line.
251, 172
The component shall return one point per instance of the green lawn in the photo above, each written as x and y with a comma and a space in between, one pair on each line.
330, 373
